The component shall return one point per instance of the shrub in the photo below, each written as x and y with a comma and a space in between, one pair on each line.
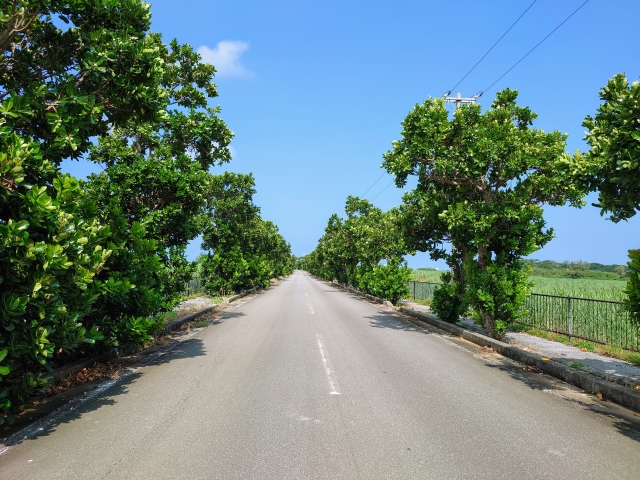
498, 293
632, 289
447, 302
57, 94
49, 256
634, 358
390, 281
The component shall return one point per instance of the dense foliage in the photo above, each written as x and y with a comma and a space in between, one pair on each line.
245, 251
57, 91
482, 181
88, 265
613, 163
448, 299
633, 287
152, 191
365, 250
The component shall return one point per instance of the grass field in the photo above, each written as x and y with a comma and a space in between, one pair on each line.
575, 287
600, 322
580, 287
426, 275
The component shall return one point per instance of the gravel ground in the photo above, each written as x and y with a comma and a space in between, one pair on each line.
605, 367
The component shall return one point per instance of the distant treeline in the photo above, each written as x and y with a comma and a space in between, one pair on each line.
549, 268
578, 269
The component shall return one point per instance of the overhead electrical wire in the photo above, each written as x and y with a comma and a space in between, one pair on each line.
488, 51
499, 78
374, 184
382, 191
539, 43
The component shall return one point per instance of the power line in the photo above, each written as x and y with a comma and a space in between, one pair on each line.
539, 43
374, 183
472, 68
382, 191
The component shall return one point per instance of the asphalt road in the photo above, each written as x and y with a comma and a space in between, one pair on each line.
307, 381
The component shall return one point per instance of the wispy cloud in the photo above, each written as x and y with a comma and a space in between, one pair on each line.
226, 58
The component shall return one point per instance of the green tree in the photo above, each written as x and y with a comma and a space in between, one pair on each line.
58, 89
230, 209
245, 251
364, 250
488, 176
613, 164
153, 187
425, 230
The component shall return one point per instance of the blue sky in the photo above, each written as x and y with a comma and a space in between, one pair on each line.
315, 93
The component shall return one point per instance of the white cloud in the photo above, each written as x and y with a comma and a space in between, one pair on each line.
233, 151
226, 58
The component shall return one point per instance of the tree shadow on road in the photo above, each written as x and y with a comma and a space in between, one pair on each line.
228, 314
393, 322
625, 427
78, 401
623, 420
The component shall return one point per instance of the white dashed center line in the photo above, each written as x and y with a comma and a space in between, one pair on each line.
327, 368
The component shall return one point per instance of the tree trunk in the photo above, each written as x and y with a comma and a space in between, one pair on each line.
488, 319
489, 323
457, 267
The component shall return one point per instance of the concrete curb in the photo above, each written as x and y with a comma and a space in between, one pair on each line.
610, 391
75, 367
369, 297
240, 295
177, 323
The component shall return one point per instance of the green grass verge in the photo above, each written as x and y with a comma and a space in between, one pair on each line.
203, 323
426, 302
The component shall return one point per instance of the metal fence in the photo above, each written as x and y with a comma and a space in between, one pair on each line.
422, 290
599, 321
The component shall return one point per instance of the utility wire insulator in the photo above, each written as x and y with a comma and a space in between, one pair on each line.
459, 100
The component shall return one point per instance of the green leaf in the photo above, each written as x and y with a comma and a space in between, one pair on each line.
22, 225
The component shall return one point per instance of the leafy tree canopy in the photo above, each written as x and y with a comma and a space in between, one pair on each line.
352, 249
59, 87
613, 167
245, 251
482, 181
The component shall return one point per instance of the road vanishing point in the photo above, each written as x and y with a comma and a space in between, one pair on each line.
305, 380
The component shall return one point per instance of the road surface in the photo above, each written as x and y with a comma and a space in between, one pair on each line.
306, 381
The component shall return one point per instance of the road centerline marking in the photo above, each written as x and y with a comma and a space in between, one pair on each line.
310, 308
326, 362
